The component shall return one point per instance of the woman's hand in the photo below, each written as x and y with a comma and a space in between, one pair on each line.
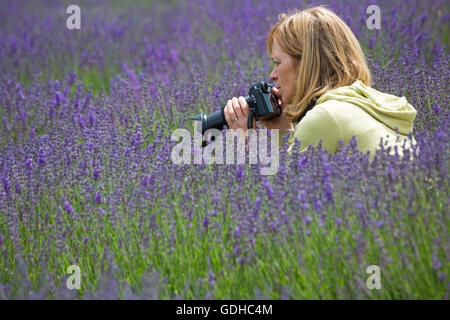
236, 114
280, 122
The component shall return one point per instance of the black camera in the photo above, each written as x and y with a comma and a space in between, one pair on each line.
261, 100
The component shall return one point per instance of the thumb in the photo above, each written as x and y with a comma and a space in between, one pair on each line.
277, 94
276, 91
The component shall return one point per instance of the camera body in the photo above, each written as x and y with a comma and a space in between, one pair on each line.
261, 100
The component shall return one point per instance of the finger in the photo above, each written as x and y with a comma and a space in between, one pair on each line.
232, 110
237, 108
226, 113
277, 94
276, 91
244, 106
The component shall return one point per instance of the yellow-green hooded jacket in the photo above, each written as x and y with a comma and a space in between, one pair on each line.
356, 110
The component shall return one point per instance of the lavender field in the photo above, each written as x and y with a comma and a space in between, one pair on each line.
86, 176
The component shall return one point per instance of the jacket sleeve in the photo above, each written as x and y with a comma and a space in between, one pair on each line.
316, 125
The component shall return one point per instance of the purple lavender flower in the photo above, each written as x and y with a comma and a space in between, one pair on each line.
237, 232
206, 223
98, 197
67, 207
436, 265
307, 220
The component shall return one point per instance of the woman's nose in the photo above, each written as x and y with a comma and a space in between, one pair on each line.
273, 76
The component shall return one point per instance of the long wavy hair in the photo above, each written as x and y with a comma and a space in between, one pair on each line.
326, 52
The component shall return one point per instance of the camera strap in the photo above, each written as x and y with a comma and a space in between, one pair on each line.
311, 105
250, 118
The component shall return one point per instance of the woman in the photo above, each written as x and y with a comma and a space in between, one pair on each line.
323, 85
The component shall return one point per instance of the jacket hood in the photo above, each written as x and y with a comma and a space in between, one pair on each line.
391, 110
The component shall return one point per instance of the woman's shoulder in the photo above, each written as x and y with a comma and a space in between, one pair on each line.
318, 125
334, 106
320, 122
332, 112
325, 111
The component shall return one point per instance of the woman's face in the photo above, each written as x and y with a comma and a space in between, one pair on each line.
284, 73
